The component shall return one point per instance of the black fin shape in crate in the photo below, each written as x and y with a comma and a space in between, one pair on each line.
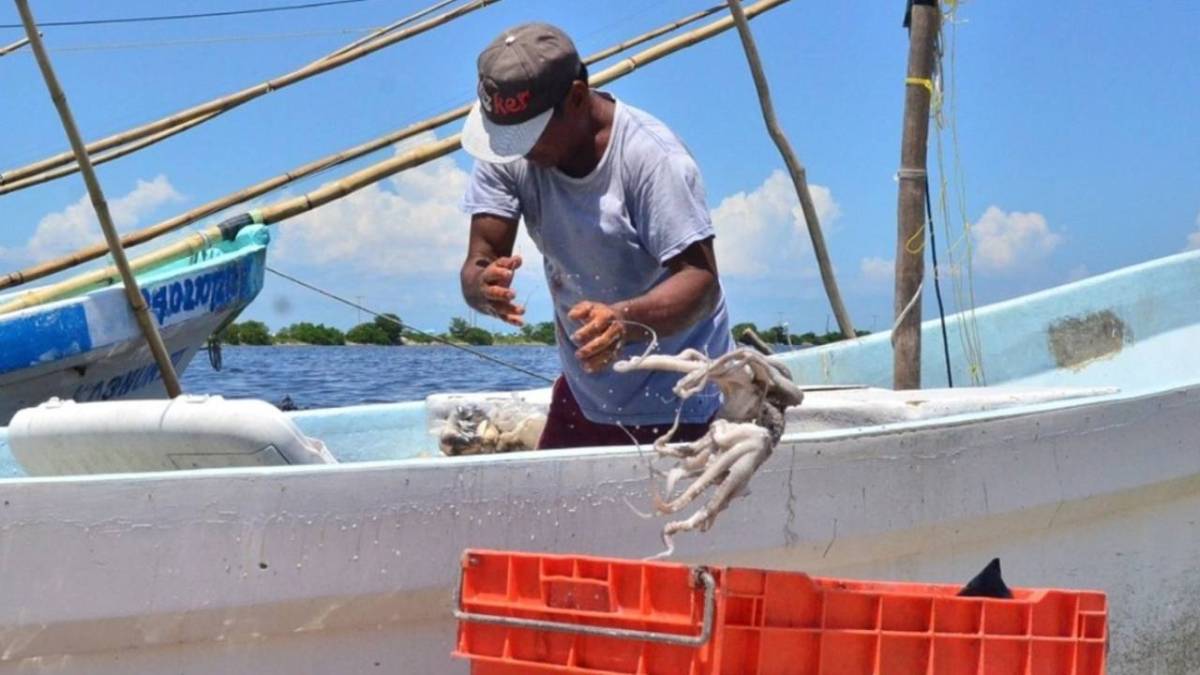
987, 584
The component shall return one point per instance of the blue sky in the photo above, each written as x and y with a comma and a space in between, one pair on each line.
1077, 126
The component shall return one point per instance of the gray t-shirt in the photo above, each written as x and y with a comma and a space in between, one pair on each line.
604, 237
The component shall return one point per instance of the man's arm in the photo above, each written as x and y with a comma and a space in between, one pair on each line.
686, 296
488, 271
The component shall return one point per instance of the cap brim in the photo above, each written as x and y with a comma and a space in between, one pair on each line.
499, 143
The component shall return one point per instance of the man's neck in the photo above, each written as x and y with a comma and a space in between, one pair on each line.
591, 148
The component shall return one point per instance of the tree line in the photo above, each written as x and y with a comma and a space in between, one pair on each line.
388, 329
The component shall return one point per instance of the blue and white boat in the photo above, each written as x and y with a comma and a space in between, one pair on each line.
90, 348
1079, 466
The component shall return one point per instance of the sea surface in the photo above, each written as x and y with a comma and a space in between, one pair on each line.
318, 377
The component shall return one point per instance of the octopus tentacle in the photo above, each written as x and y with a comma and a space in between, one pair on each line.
738, 440
756, 390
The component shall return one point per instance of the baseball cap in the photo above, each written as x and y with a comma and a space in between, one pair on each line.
523, 74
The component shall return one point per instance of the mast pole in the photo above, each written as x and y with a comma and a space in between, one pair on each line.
795, 170
924, 17
140, 311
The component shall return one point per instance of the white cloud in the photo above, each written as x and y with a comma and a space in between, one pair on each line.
409, 225
1193, 241
1010, 240
764, 230
76, 225
876, 270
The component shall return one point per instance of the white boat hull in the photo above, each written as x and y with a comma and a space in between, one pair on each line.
349, 569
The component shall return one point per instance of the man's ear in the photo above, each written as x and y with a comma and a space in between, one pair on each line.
578, 95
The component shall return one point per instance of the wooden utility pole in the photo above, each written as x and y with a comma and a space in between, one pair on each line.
795, 169
140, 311
924, 19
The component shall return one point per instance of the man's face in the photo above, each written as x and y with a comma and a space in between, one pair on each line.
553, 144
562, 133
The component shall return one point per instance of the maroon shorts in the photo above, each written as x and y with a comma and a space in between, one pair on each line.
566, 427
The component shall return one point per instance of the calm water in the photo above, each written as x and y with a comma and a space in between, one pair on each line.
317, 377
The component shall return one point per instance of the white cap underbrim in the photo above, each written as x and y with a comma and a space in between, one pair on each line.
500, 143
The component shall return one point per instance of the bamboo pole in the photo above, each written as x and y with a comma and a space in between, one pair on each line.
675, 44
106, 276
391, 27
8, 49
203, 211
7, 187
289, 208
925, 18
795, 169
646, 37
102, 158
228, 102
136, 302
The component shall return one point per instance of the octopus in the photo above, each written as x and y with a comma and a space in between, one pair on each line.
755, 393
470, 430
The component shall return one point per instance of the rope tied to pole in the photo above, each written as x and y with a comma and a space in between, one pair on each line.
922, 81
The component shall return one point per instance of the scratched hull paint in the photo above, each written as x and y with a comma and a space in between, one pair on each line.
90, 348
348, 568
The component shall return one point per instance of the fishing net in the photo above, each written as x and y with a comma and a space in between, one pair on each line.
489, 425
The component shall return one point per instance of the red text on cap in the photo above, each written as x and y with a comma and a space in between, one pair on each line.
510, 105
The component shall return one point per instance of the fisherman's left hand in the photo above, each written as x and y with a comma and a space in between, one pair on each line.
601, 337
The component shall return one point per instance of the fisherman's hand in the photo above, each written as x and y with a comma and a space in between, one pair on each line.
495, 286
601, 337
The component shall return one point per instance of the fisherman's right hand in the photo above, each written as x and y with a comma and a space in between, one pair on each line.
495, 285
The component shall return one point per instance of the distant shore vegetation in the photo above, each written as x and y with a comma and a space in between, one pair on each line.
389, 330
386, 329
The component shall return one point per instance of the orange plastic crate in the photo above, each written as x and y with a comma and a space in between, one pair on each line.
530, 613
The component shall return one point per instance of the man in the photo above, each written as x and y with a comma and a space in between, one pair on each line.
616, 206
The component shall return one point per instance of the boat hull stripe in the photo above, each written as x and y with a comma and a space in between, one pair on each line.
44, 337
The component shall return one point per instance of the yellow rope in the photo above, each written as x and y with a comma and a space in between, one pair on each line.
935, 93
908, 245
923, 81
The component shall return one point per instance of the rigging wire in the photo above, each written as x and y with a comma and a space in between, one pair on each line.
381, 32
418, 331
372, 31
179, 17
214, 40
961, 270
937, 285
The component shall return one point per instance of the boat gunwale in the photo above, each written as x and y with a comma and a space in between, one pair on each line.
1009, 305
440, 463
